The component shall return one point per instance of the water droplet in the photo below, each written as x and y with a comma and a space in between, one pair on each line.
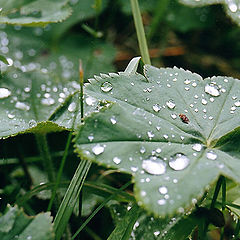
98, 149
156, 233
237, 104
233, 7
162, 202
47, 101
90, 100
156, 107
165, 136
204, 101
106, 87
150, 134
154, 165
170, 104
187, 81
113, 120
142, 150
163, 190
72, 107
11, 116
134, 169
4, 93
197, 147
90, 137
179, 161
32, 123
29, 237
116, 160
22, 106
212, 90
173, 116
158, 150
211, 155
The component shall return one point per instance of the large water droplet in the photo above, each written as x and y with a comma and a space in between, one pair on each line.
116, 160
163, 190
98, 149
233, 7
237, 104
212, 90
197, 147
4, 93
106, 87
154, 165
22, 106
170, 104
179, 161
211, 155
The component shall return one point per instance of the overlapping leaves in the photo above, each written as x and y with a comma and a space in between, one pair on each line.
15, 224
172, 157
34, 12
232, 7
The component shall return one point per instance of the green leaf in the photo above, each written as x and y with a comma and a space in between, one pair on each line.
35, 12
173, 160
14, 223
150, 228
232, 8
3, 59
124, 227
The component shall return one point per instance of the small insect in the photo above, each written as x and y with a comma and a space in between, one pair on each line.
184, 118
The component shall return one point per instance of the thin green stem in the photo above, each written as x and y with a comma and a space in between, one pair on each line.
223, 193
46, 156
99, 208
59, 175
69, 201
81, 77
217, 189
140, 31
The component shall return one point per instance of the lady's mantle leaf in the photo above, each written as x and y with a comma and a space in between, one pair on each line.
34, 12
232, 7
15, 224
163, 129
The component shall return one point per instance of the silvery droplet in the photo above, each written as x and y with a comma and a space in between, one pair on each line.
212, 90
162, 202
179, 161
116, 160
197, 147
163, 190
233, 7
90, 137
211, 155
98, 149
11, 116
106, 87
22, 106
113, 120
173, 116
237, 104
150, 134
32, 123
154, 165
72, 107
156, 107
204, 101
90, 100
170, 104
4, 93
47, 101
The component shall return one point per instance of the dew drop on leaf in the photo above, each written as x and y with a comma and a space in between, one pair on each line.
154, 165
106, 87
22, 106
116, 160
237, 104
211, 155
113, 120
197, 147
47, 101
150, 134
162, 202
233, 7
173, 116
212, 90
32, 123
156, 107
4, 93
163, 190
11, 116
170, 104
98, 149
90, 101
72, 107
204, 101
179, 161
142, 150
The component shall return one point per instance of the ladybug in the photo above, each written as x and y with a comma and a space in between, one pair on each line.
184, 118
